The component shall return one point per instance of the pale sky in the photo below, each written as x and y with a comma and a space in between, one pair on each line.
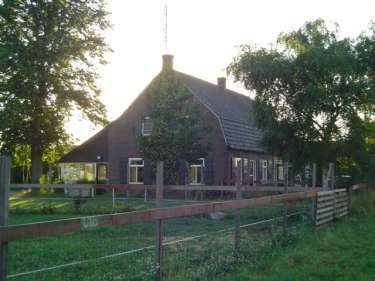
202, 36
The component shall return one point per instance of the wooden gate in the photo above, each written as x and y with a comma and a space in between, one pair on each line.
331, 205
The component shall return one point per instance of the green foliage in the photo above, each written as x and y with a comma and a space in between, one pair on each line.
48, 54
310, 91
178, 129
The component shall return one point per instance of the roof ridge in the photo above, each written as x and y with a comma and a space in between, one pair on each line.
215, 85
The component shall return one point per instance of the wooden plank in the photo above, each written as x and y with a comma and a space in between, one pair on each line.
314, 175
341, 209
325, 204
341, 199
4, 209
341, 194
341, 204
324, 193
324, 210
48, 186
321, 222
341, 214
246, 188
325, 199
324, 215
285, 206
237, 233
158, 222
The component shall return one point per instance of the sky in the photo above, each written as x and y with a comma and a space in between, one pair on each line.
203, 36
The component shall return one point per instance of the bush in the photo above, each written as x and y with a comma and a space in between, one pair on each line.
364, 202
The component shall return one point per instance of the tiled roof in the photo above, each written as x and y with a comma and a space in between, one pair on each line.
233, 110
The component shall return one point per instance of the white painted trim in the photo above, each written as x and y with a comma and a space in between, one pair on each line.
136, 166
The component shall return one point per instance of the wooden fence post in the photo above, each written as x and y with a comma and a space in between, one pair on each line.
158, 223
285, 207
4, 208
314, 176
350, 194
113, 199
237, 234
145, 194
49, 176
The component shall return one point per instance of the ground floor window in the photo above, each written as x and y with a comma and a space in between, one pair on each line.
78, 172
236, 161
253, 170
136, 170
101, 173
195, 172
280, 170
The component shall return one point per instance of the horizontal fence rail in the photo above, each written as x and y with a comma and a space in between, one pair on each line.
229, 188
33, 230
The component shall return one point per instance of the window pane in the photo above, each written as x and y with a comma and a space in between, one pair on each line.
136, 162
102, 172
191, 176
140, 174
198, 175
132, 174
147, 126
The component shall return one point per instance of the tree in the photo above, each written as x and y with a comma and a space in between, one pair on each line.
309, 89
178, 131
48, 54
365, 48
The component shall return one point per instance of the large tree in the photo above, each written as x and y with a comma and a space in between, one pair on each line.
49, 51
309, 91
179, 133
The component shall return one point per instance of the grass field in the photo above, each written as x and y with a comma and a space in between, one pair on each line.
343, 251
210, 253
265, 255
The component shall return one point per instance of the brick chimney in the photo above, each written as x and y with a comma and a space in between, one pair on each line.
167, 62
221, 82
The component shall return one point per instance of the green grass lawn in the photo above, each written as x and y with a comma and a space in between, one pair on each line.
195, 259
343, 251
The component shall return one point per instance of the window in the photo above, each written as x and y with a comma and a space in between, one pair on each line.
264, 170
245, 171
147, 126
235, 162
101, 173
77, 172
280, 170
135, 171
195, 172
253, 170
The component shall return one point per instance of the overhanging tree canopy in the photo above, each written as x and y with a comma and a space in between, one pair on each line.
309, 90
48, 56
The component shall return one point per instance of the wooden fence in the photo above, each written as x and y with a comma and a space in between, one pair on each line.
333, 204
10, 233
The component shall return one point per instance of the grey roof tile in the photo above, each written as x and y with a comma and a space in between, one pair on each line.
234, 111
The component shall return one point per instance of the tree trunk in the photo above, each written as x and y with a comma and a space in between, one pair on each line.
36, 164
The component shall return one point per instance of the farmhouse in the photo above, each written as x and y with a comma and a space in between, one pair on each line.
112, 155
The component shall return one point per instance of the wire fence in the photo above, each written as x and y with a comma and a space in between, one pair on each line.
199, 242
194, 247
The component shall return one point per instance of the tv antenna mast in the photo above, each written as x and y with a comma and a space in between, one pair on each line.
166, 29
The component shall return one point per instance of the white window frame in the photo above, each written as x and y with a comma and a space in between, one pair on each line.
146, 133
197, 166
264, 170
136, 166
254, 166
